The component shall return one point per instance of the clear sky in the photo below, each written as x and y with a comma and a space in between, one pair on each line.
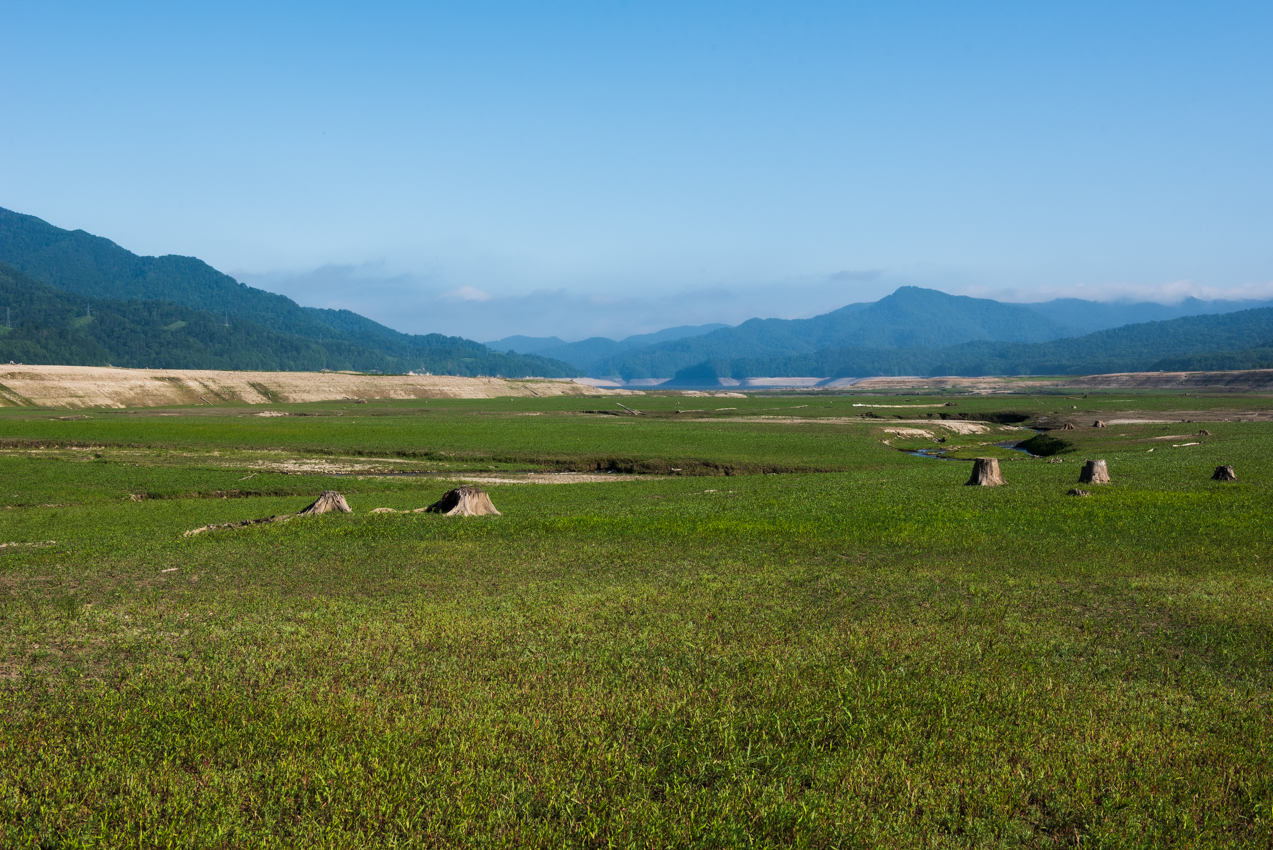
617, 167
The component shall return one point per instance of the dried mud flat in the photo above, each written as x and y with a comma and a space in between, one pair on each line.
255, 462
97, 386
1251, 380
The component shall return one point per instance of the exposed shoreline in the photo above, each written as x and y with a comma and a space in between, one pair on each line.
74, 387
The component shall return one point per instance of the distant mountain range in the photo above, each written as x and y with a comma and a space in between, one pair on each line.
908, 332
79, 299
1240, 340
179, 312
589, 354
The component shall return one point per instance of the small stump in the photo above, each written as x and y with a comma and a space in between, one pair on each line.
328, 500
464, 501
1224, 473
1068, 426
1094, 472
1204, 433
985, 473
1099, 423
1074, 491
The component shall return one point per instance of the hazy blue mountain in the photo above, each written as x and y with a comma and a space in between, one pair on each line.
587, 353
668, 334
525, 344
1239, 340
910, 317
91, 267
1084, 317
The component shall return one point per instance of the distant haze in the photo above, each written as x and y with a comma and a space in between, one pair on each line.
609, 169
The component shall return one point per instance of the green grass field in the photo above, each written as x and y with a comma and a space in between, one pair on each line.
793, 635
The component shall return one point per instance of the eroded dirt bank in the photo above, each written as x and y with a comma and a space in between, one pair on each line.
93, 386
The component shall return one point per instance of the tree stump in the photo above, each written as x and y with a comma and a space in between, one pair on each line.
1068, 426
1099, 423
1074, 491
328, 500
463, 501
1224, 473
1094, 472
1204, 433
985, 473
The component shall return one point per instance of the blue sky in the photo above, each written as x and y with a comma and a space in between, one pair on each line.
617, 167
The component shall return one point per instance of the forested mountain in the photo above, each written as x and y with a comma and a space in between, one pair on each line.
46, 325
134, 292
1240, 340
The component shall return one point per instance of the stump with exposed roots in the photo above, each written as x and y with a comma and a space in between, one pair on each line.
1224, 473
464, 501
1099, 423
328, 500
1068, 426
1094, 472
1204, 433
985, 473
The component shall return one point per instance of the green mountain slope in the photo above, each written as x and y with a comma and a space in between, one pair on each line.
90, 267
50, 326
79, 262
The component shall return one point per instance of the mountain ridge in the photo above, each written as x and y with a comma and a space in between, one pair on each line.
1239, 340
89, 267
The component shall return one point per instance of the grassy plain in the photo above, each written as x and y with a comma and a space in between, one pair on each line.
857, 651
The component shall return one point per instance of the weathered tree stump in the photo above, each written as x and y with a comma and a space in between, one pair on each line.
1068, 426
1224, 473
1074, 491
1094, 472
1099, 423
985, 473
1204, 433
328, 500
464, 501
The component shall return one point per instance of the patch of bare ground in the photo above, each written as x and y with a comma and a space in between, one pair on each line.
1249, 380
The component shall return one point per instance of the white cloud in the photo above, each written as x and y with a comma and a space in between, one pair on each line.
466, 293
